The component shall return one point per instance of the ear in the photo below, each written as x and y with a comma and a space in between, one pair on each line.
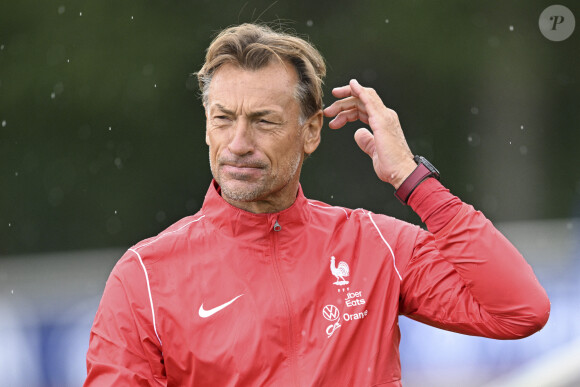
311, 132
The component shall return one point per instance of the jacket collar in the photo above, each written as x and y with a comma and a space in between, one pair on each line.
238, 222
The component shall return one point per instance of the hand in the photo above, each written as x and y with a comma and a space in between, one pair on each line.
386, 145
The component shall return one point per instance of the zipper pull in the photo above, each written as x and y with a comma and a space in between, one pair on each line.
277, 226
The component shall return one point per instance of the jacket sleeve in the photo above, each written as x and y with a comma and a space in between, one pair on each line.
123, 349
463, 275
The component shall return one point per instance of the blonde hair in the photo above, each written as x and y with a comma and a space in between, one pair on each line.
253, 46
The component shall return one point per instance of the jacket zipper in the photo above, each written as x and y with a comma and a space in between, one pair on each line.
292, 353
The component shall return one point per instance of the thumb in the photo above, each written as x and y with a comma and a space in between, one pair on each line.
365, 140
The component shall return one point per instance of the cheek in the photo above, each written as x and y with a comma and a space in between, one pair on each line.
213, 141
287, 156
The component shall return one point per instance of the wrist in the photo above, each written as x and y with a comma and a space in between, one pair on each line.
422, 171
404, 172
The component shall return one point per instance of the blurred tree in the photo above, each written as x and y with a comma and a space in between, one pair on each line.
102, 134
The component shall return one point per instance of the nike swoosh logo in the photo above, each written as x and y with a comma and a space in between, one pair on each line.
206, 313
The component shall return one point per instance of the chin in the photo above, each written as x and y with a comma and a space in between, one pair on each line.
242, 191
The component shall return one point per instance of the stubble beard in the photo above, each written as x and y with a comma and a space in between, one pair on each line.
258, 190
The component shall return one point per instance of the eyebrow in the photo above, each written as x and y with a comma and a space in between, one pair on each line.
224, 109
256, 114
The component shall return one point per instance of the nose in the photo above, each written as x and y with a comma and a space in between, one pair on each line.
241, 139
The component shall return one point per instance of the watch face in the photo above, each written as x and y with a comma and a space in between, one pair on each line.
426, 163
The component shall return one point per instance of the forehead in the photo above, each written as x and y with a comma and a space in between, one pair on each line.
273, 84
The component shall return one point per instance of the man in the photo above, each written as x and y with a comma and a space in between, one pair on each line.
265, 287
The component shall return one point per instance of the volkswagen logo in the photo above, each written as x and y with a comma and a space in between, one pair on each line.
330, 312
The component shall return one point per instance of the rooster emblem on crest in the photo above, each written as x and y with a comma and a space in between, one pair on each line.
339, 271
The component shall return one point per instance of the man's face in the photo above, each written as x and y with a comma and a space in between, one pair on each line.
256, 142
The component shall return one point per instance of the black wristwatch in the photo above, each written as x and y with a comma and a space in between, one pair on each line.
424, 170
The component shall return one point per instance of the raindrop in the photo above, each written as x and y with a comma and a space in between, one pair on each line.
9, 224
473, 139
309, 23
52, 95
332, 196
61, 9
119, 162
16, 174
155, 85
510, 142
474, 110
522, 127
115, 212
80, 14
3, 123
68, 61
12, 291
511, 28
1, 47
109, 128
387, 21
131, 17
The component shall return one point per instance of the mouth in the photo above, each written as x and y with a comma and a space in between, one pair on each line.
242, 171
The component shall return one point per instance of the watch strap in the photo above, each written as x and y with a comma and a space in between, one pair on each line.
411, 182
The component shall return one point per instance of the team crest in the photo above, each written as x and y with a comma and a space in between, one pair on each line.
339, 271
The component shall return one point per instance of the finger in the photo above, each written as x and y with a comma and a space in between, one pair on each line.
365, 140
342, 91
348, 116
344, 104
368, 96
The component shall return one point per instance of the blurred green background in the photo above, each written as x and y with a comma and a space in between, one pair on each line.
102, 132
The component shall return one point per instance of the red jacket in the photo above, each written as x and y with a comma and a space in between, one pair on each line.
309, 296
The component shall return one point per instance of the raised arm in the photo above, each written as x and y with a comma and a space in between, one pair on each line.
463, 274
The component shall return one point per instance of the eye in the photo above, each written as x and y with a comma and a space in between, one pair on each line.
222, 120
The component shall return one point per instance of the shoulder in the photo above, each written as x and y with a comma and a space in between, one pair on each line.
357, 215
168, 239
325, 210
383, 227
